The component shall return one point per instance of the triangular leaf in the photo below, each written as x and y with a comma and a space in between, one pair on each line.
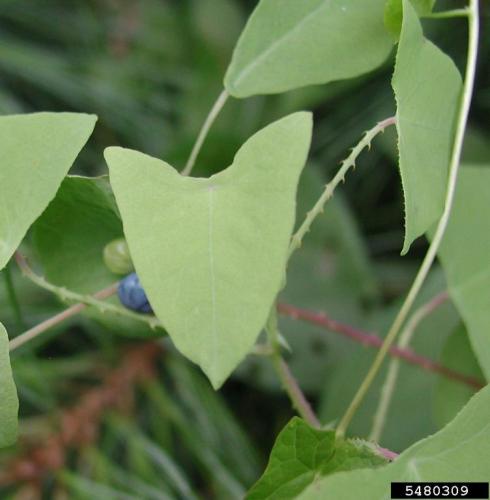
459, 452
465, 257
9, 404
37, 152
211, 253
288, 44
302, 454
427, 87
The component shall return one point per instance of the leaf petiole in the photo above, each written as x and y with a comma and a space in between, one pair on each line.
291, 386
208, 122
448, 14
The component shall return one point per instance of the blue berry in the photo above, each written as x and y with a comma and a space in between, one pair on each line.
132, 295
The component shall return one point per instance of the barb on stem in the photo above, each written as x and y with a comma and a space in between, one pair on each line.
348, 163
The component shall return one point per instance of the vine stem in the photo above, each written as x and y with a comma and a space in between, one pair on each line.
448, 14
473, 22
208, 122
369, 339
88, 300
291, 386
58, 318
406, 336
349, 162
296, 395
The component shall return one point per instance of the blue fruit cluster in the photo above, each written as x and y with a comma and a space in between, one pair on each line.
132, 295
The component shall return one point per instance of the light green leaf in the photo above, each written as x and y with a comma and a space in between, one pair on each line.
211, 253
288, 44
302, 454
394, 13
37, 151
465, 257
451, 396
9, 404
69, 239
427, 88
459, 452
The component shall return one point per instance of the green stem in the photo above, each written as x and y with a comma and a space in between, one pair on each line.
448, 14
291, 386
339, 177
68, 295
213, 113
390, 382
441, 226
35, 331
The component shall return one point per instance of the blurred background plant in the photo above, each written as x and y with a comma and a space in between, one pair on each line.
107, 416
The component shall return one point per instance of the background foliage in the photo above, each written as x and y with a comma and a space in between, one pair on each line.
150, 70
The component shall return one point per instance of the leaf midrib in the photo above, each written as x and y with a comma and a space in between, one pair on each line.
212, 272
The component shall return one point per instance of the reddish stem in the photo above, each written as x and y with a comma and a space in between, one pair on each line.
390, 455
372, 340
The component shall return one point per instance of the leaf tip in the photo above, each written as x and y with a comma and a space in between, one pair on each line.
113, 154
406, 246
217, 380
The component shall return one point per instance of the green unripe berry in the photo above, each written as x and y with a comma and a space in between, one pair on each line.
117, 258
